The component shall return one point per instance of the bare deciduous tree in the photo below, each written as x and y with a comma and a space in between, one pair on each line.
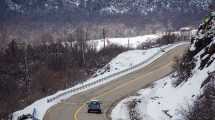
3, 35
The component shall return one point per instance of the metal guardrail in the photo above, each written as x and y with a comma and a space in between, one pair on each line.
103, 79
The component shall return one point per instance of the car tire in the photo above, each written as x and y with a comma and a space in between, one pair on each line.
99, 111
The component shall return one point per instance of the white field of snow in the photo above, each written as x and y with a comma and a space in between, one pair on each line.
121, 62
131, 42
163, 101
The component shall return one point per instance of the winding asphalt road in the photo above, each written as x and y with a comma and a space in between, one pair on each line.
110, 93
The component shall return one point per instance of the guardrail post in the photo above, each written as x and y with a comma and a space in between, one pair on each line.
34, 114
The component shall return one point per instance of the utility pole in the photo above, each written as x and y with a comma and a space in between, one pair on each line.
128, 43
104, 36
84, 45
81, 40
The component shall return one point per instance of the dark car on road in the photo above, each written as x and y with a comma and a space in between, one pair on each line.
94, 106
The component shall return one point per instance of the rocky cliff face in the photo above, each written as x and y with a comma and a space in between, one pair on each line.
204, 42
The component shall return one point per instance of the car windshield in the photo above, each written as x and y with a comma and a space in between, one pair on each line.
94, 105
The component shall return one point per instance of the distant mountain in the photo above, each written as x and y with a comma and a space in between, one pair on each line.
176, 13
103, 7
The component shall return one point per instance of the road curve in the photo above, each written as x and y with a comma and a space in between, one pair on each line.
110, 93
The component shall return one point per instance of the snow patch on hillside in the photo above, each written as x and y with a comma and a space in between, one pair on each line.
163, 101
121, 111
127, 60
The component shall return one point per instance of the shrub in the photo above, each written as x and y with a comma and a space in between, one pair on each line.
169, 38
183, 67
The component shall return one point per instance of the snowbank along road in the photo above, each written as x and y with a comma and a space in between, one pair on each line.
75, 108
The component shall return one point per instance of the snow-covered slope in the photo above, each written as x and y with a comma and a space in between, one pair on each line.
107, 6
149, 6
127, 60
104, 7
163, 100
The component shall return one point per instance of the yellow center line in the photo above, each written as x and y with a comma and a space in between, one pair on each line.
112, 90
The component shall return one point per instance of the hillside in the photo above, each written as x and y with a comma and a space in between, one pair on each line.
95, 10
187, 94
37, 21
106, 6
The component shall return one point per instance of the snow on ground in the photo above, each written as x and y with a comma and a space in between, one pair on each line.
131, 42
127, 60
118, 64
121, 111
163, 101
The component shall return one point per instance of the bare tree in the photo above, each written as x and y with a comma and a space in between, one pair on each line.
3, 35
27, 73
81, 40
46, 38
